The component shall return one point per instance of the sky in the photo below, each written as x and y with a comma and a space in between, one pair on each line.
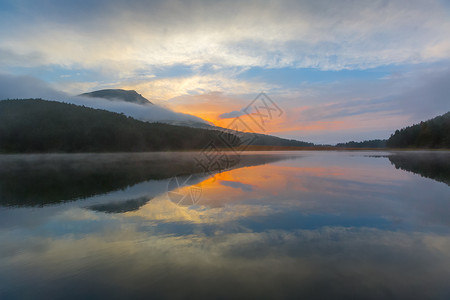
337, 70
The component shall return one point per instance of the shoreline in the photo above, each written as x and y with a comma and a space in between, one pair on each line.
247, 149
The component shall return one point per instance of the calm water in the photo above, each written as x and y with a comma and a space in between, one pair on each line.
284, 225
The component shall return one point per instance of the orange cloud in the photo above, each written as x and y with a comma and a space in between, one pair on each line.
211, 106
206, 106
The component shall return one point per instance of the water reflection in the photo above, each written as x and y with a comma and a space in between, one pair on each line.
122, 206
37, 180
282, 226
434, 165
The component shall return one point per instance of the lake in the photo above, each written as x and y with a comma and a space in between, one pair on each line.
271, 225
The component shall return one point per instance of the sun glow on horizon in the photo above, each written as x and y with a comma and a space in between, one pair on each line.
362, 69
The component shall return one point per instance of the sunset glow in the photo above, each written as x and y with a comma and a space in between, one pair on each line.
363, 69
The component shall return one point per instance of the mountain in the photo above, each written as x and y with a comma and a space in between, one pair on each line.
150, 113
36, 125
118, 95
433, 133
257, 139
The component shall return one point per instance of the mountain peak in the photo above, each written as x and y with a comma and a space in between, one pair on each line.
118, 95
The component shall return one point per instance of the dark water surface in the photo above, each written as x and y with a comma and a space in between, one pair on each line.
273, 225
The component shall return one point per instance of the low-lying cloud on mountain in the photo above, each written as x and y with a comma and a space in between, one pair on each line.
18, 87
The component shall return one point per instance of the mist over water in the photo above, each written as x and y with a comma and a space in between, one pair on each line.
279, 225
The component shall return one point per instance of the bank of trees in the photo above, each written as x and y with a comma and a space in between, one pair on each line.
434, 133
363, 144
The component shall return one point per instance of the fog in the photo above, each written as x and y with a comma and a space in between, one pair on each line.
21, 87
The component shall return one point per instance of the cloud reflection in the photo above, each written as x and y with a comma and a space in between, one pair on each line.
342, 262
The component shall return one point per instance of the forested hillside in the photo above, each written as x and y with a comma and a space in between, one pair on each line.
434, 133
36, 125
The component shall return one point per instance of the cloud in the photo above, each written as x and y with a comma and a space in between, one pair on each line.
133, 257
429, 96
344, 110
17, 87
142, 35
162, 209
208, 105
232, 114
237, 185
14, 87
11, 58
161, 89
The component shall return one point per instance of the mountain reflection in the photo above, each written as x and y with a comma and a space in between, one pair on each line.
434, 165
122, 206
38, 180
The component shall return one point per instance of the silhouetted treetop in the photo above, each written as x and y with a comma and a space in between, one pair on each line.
364, 144
434, 133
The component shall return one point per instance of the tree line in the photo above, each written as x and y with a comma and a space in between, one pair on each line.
364, 144
434, 133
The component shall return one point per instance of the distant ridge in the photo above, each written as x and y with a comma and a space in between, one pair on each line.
118, 94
